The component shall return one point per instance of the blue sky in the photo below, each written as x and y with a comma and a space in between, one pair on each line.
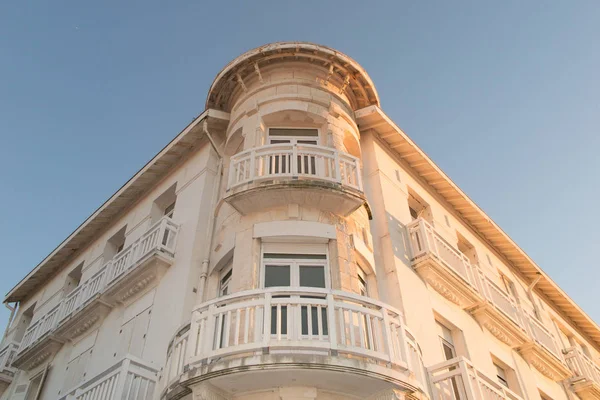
504, 96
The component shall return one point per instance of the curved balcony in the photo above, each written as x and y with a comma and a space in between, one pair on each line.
281, 174
260, 339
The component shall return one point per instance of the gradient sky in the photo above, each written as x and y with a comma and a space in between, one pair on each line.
504, 96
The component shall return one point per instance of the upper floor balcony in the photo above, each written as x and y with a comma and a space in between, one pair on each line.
443, 266
304, 174
302, 336
586, 374
119, 279
458, 379
448, 271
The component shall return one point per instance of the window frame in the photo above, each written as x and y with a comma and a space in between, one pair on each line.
363, 282
293, 140
224, 280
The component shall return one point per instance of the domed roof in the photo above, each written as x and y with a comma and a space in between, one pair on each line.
357, 83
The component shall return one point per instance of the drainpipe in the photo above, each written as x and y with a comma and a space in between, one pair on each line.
10, 319
535, 281
210, 226
530, 293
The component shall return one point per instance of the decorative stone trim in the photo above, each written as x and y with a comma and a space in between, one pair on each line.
499, 325
544, 361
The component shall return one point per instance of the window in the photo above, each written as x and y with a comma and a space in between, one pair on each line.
169, 210
447, 221
73, 279
35, 386
363, 289
224, 281
465, 247
446, 341
501, 375
115, 244
418, 207
281, 269
293, 136
284, 265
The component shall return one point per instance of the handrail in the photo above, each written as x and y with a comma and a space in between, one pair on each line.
459, 379
130, 378
161, 236
426, 241
581, 365
294, 161
7, 354
287, 319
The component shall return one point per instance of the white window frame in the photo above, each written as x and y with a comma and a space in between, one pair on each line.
293, 140
294, 263
363, 282
225, 285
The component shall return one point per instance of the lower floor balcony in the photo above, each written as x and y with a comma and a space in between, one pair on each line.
308, 175
255, 340
7, 371
130, 378
585, 380
458, 379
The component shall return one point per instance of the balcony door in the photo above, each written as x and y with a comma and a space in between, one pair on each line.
296, 267
281, 163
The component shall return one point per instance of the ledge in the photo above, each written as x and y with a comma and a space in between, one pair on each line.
499, 325
545, 362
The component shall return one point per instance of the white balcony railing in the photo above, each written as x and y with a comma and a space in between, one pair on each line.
458, 379
130, 378
293, 320
294, 161
581, 366
161, 236
541, 335
7, 354
40, 328
426, 241
505, 303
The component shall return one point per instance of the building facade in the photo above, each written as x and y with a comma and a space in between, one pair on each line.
293, 243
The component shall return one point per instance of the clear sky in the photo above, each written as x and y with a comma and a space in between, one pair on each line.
504, 96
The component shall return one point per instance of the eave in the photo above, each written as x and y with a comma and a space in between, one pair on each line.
186, 142
373, 118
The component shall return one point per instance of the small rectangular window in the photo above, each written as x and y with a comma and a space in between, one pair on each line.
501, 375
224, 282
398, 176
362, 282
489, 260
447, 221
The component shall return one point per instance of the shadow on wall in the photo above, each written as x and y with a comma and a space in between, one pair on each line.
400, 241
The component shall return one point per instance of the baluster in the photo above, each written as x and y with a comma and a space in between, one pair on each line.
369, 332
320, 322
236, 339
342, 324
267, 320
331, 324
351, 319
246, 324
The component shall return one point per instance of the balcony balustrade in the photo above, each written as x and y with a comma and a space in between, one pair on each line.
290, 322
332, 176
586, 374
7, 371
443, 266
130, 378
450, 273
458, 379
129, 272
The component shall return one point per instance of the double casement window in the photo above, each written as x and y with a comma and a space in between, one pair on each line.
296, 266
225, 280
282, 163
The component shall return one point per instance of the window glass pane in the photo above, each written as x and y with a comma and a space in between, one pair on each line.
277, 275
293, 132
312, 276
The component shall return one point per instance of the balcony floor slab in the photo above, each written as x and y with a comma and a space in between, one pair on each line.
139, 279
324, 195
499, 324
83, 319
446, 282
544, 361
40, 351
587, 390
